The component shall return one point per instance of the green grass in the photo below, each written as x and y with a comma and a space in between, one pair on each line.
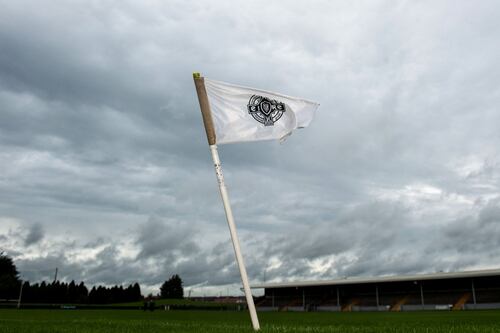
112, 321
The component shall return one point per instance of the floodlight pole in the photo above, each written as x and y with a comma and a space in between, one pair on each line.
422, 295
20, 295
210, 130
338, 297
473, 293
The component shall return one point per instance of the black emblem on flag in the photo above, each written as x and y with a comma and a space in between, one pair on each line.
266, 111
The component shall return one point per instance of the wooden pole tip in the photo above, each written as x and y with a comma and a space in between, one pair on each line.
196, 75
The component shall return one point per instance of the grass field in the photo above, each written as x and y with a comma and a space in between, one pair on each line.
111, 321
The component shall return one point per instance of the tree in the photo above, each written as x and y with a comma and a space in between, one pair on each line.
9, 278
72, 292
93, 296
83, 293
132, 293
172, 288
136, 292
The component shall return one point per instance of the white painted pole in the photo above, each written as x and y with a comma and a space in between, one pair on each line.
234, 237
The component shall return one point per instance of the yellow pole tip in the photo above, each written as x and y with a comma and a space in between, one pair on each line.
196, 75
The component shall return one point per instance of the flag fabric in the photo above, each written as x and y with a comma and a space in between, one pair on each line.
244, 114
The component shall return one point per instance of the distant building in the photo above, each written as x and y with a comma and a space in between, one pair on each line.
439, 291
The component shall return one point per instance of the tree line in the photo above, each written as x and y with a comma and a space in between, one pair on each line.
72, 292
61, 292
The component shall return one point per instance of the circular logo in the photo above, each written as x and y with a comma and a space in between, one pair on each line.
266, 111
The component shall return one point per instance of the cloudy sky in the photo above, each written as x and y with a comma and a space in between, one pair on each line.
105, 171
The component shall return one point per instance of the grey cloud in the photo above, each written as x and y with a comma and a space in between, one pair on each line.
100, 130
157, 238
35, 234
477, 233
43, 268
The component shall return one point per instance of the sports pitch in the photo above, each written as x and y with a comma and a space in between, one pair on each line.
90, 321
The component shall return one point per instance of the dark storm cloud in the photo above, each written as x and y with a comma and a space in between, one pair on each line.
102, 146
477, 233
35, 234
174, 239
43, 268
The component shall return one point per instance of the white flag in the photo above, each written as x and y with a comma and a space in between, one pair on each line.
246, 114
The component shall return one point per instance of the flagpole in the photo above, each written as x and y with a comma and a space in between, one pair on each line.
199, 82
